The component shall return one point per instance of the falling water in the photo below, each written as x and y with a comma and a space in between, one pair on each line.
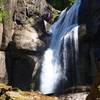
64, 31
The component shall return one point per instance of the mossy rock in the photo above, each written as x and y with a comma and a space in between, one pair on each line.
9, 93
12, 95
4, 88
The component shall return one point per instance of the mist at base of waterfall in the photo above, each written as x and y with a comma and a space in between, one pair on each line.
50, 73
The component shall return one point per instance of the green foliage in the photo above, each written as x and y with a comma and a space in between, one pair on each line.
71, 2
1, 2
61, 4
3, 13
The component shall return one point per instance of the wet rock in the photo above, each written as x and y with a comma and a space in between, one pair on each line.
75, 93
95, 88
47, 26
90, 15
74, 96
82, 31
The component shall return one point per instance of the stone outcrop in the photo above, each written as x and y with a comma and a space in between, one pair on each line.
26, 96
9, 93
27, 39
3, 71
23, 39
8, 24
1, 32
95, 88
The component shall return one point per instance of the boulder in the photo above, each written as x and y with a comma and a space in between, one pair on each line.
27, 39
74, 96
95, 87
4, 88
21, 95
9, 93
24, 69
3, 71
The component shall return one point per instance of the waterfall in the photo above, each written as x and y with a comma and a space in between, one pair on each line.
59, 55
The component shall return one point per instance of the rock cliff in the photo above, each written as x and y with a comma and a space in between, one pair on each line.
23, 39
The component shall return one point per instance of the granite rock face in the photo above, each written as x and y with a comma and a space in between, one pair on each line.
90, 14
22, 42
3, 71
23, 45
1, 32
27, 39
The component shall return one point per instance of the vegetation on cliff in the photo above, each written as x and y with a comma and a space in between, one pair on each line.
3, 13
61, 4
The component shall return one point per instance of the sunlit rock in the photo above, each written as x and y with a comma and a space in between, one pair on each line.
27, 39
12, 95
3, 70
1, 31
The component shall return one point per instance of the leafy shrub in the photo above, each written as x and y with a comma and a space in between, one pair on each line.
3, 13
60, 4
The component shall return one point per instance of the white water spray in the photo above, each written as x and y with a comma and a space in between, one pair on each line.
65, 29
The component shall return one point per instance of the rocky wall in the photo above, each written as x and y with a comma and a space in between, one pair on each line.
22, 45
